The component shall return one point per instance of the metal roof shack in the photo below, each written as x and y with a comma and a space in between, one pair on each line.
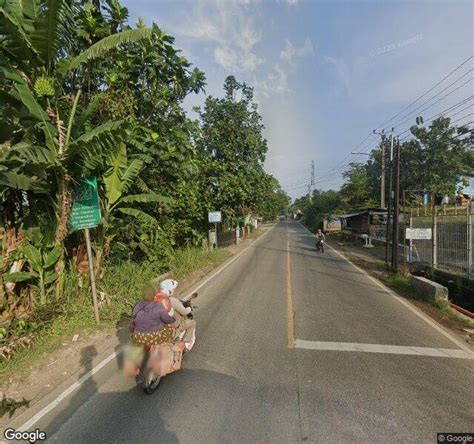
364, 220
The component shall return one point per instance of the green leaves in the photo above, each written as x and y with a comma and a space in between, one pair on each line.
46, 37
33, 256
113, 41
21, 182
42, 262
140, 215
146, 198
30, 102
19, 276
53, 256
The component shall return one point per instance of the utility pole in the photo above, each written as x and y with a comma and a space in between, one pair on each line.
382, 178
312, 178
382, 162
396, 208
389, 209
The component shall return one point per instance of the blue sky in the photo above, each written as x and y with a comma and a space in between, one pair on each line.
325, 72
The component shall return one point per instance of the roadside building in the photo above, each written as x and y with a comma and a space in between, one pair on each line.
332, 224
365, 221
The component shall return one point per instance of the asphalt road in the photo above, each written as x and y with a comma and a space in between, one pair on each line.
242, 384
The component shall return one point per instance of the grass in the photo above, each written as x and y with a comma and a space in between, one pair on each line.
402, 284
124, 283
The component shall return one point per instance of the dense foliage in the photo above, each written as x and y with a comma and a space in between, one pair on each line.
82, 94
432, 160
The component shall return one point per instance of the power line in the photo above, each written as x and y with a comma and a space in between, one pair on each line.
445, 111
340, 166
427, 92
428, 107
451, 122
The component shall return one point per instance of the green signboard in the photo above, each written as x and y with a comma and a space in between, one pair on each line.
86, 209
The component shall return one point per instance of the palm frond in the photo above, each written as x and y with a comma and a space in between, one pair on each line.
113, 177
87, 113
95, 145
29, 100
10, 74
34, 155
142, 186
131, 173
15, 18
138, 214
101, 129
46, 39
17, 181
146, 198
108, 43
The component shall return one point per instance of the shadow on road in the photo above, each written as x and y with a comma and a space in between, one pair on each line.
182, 404
91, 416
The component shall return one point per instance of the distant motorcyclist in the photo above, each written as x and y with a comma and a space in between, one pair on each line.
320, 238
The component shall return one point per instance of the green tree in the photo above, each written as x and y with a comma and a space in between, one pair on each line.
436, 158
35, 35
356, 190
233, 150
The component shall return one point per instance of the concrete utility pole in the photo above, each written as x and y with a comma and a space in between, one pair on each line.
382, 162
312, 178
396, 208
382, 178
389, 210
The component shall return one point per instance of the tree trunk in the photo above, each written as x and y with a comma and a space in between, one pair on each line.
65, 205
64, 182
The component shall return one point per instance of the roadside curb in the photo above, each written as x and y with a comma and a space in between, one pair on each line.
54, 398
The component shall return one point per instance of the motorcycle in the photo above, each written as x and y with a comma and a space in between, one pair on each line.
320, 245
150, 372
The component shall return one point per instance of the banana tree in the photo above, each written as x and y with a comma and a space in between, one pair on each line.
121, 174
38, 81
42, 274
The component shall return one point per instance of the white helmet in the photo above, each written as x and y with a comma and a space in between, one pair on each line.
168, 286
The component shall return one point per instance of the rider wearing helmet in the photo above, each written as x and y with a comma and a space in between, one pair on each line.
319, 238
320, 235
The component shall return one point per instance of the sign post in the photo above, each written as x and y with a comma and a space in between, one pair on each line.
85, 214
214, 217
418, 233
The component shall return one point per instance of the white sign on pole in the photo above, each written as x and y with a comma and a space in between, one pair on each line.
418, 233
214, 217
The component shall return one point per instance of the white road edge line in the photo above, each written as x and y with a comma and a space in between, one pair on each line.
53, 404
382, 348
415, 310
34, 419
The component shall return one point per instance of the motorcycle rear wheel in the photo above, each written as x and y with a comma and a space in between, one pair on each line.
150, 381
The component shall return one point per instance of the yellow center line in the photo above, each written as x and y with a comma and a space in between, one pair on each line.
291, 326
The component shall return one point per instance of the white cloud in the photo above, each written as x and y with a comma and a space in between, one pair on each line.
230, 27
341, 69
276, 82
290, 52
293, 2
236, 60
